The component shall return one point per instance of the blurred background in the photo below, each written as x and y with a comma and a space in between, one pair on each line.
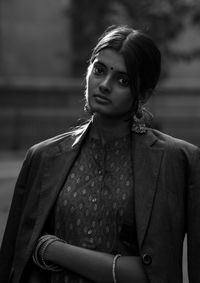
44, 49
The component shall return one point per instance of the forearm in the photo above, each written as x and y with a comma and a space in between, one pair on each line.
94, 265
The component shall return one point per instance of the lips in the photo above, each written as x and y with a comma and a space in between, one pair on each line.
102, 98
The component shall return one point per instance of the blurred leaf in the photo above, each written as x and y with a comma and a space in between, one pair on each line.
163, 20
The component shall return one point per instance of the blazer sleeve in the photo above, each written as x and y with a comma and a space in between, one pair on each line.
193, 219
16, 209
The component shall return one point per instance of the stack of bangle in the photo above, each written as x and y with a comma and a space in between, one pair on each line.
39, 252
114, 267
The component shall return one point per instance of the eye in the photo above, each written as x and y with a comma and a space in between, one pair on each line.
98, 70
124, 81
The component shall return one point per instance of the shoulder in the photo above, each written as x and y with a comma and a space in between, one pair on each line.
175, 146
171, 141
48, 146
60, 143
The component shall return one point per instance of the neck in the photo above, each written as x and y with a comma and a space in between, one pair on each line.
107, 129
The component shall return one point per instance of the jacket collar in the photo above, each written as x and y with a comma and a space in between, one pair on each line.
74, 142
69, 142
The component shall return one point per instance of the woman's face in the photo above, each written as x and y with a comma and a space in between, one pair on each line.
108, 89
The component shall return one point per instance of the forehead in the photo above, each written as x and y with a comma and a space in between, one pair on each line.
112, 59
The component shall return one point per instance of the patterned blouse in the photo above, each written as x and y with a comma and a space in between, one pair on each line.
95, 208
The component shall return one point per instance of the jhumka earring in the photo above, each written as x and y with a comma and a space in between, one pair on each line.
141, 120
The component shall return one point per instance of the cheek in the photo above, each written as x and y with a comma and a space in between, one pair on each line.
131, 100
126, 100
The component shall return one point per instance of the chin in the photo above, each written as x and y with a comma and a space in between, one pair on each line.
104, 111
96, 108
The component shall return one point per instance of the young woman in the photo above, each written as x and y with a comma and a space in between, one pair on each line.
112, 200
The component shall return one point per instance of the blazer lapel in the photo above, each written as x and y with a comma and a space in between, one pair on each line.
147, 160
56, 170
57, 166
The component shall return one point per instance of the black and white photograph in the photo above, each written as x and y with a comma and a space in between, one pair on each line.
99, 141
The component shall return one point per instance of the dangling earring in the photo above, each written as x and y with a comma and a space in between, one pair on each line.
141, 120
138, 125
87, 109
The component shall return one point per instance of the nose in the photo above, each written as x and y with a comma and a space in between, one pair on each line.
105, 86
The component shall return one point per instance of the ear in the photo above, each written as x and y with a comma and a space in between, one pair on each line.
146, 95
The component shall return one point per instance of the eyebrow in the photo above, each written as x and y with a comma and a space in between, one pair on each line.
103, 64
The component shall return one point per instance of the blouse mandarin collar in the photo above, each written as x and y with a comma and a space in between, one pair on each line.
76, 139
113, 143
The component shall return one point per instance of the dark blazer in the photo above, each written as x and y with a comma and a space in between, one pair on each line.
167, 204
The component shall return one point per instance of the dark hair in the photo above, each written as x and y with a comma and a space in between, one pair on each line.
142, 57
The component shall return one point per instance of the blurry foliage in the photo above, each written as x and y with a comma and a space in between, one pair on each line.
163, 20
88, 20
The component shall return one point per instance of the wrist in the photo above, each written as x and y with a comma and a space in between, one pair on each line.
53, 250
40, 255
